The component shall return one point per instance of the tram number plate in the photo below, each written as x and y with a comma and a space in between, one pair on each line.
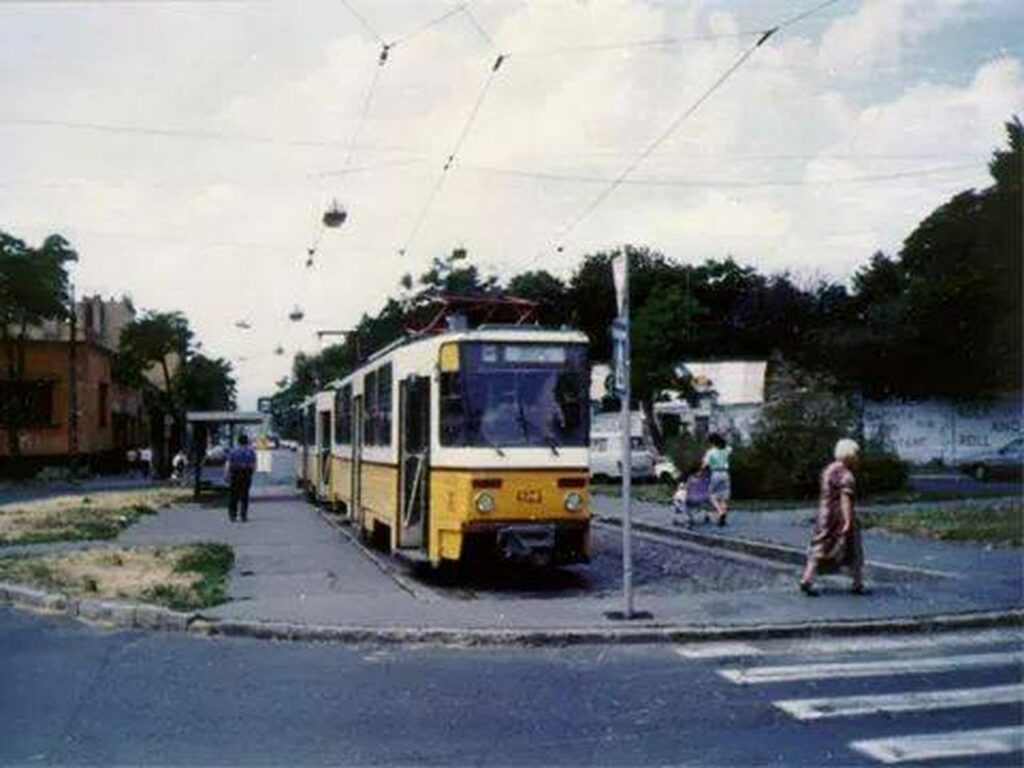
528, 497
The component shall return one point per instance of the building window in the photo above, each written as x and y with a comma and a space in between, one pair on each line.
26, 403
377, 394
343, 415
104, 405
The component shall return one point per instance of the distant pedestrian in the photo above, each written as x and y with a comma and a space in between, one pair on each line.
241, 464
716, 463
179, 464
146, 462
836, 540
132, 457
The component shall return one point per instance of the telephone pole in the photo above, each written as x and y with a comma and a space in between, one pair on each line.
73, 386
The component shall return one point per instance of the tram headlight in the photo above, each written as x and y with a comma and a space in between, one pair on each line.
573, 502
484, 503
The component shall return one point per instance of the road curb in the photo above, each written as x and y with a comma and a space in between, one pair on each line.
781, 553
128, 615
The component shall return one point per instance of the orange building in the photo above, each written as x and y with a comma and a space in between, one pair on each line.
110, 418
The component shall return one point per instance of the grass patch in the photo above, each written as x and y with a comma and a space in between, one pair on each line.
183, 578
999, 525
74, 517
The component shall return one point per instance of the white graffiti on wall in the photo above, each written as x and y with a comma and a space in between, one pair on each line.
928, 430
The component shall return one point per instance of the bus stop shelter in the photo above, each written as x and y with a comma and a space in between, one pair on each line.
202, 423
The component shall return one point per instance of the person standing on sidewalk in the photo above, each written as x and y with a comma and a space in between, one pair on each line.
836, 541
716, 462
241, 465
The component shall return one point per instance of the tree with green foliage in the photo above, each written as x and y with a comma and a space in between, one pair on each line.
944, 317
34, 287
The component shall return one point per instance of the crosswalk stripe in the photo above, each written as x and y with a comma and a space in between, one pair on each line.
717, 650
838, 645
726, 649
778, 674
850, 706
933, 746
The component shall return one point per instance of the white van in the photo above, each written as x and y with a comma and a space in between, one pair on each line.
606, 447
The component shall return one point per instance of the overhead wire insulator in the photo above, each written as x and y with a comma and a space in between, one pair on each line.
384, 51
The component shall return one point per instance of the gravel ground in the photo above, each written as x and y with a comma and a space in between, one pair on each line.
658, 568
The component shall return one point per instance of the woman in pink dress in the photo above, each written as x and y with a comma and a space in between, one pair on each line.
836, 541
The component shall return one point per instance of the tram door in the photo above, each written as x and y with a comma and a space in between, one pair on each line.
324, 455
355, 511
414, 407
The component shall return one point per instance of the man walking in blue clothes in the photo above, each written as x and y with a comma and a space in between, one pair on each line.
241, 465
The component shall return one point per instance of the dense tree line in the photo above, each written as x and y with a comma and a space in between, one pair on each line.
940, 318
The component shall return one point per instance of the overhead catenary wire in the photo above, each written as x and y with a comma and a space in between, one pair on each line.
363, 22
621, 177
619, 45
427, 25
452, 155
712, 183
617, 181
475, 23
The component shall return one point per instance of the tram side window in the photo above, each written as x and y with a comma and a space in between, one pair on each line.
452, 409
369, 408
377, 392
343, 415
384, 405
309, 422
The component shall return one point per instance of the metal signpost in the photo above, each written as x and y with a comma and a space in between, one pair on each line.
620, 346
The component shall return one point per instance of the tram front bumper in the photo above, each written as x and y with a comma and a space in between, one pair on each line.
539, 543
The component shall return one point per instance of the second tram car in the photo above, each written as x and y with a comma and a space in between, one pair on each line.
470, 441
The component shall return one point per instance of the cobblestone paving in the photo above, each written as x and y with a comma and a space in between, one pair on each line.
658, 569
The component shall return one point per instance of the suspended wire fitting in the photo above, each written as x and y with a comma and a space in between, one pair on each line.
296, 314
334, 216
279, 350
243, 325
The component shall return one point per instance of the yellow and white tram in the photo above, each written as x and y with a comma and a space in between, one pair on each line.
467, 441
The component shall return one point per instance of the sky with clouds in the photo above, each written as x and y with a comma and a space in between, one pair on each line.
187, 147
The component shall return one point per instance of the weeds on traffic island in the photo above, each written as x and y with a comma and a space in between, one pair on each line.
997, 525
182, 578
75, 517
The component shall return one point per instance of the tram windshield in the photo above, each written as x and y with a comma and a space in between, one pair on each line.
516, 394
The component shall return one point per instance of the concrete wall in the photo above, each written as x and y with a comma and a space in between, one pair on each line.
928, 430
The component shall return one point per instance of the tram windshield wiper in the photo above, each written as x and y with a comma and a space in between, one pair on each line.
523, 422
553, 445
498, 450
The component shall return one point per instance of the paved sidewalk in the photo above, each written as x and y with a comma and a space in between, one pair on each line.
985, 572
293, 566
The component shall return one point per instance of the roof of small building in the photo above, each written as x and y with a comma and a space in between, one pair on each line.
736, 382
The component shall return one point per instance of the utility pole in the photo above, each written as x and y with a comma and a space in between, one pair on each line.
73, 386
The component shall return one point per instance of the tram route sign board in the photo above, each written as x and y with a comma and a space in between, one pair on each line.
620, 351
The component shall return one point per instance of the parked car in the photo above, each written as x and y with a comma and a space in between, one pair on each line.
1006, 462
606, 448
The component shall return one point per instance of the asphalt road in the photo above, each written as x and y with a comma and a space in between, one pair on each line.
71, 695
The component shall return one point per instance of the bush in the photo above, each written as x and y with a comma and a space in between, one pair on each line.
794, 441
